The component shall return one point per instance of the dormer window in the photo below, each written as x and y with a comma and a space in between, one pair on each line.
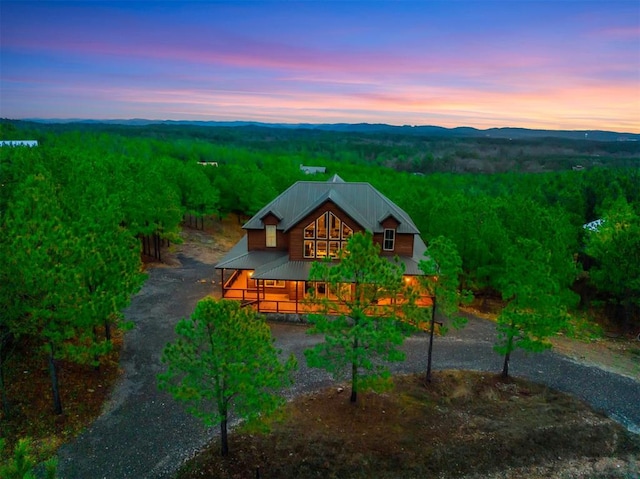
270, 233
389, 239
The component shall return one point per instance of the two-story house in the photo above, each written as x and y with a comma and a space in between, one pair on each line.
310, 221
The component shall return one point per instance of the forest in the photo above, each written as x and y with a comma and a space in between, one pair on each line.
78, 211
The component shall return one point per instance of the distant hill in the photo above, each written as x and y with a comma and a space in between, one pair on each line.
427, 130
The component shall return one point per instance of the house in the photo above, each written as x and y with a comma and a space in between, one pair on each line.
29, 143
312, 170
594, 225
269, 267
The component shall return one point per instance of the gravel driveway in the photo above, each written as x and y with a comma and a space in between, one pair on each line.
144, 434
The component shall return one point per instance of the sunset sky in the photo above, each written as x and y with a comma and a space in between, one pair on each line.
555, 64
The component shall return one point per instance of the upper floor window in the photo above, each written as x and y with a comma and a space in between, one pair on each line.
270, 232
325, 236
389, 239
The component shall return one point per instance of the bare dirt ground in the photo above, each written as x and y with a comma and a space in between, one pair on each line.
465, 424
207, 245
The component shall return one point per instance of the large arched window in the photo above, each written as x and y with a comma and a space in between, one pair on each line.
325, 236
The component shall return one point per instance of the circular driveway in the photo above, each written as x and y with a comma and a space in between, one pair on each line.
144, 434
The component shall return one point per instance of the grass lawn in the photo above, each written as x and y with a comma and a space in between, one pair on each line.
465, 424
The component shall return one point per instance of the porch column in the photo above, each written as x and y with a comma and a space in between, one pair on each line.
222, 281
258, 293
296, 297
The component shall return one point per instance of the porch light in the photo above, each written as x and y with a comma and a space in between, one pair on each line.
250, 273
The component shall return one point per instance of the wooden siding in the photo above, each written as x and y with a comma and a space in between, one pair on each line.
403, 245
390, 222
270, 219
296, 234
257, 241
293, 240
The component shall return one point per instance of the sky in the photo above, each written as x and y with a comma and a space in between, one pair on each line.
552, 64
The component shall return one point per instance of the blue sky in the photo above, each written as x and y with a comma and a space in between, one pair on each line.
545, 64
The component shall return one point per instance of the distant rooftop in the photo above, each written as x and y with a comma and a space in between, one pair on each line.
594, 225
29, 143
312, 170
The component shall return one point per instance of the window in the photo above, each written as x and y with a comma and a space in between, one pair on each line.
321, 231
266, 283
310, 231
334, 227
389, 239
321, 249
309, 249
334, 246
270, 231
327, 226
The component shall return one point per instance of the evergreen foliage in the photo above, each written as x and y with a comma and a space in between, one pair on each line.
443, 269
360, 321
615, 247
90, 197
224, 362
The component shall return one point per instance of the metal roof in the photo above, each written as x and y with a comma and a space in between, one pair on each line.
287, 270
239, 258
29, 143
276, 264
361, 201
312, 170
412, 265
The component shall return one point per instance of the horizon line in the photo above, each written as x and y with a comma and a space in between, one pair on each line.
293, 124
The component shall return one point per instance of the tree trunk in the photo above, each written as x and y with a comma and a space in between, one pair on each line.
354, 375
626, 311
432, 327
3, 391
507, 355
224, 441
57, 404
505, 366
107, 329
96, 358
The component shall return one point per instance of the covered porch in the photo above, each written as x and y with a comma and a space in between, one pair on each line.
272, 283
286, 296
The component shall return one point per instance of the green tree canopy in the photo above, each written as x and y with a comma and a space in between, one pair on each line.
536, 300
224, 360
358, 313
615, 247
443, 269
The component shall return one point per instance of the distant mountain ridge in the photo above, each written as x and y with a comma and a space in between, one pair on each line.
426, 130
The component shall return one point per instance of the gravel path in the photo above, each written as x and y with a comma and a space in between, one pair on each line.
144, 434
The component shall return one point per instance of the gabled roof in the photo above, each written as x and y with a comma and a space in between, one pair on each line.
361, 201
277, 265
